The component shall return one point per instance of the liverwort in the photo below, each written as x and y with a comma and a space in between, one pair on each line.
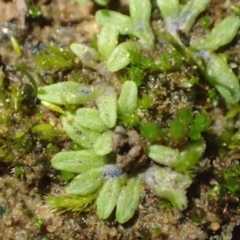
168, 184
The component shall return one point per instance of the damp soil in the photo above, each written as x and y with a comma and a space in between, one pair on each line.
23, 212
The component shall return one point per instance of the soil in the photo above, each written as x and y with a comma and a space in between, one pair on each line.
24, 214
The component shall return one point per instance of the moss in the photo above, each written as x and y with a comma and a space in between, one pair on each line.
54, 58
70, 203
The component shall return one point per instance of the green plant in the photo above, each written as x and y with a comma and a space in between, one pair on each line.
179, 20
72, 203
227, 186
112, 162
54, 58
100, 2
38, 222
186, 124
230, 179
119, 148
111, 54
34, 11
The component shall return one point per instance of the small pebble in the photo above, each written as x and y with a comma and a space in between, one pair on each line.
215, 226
